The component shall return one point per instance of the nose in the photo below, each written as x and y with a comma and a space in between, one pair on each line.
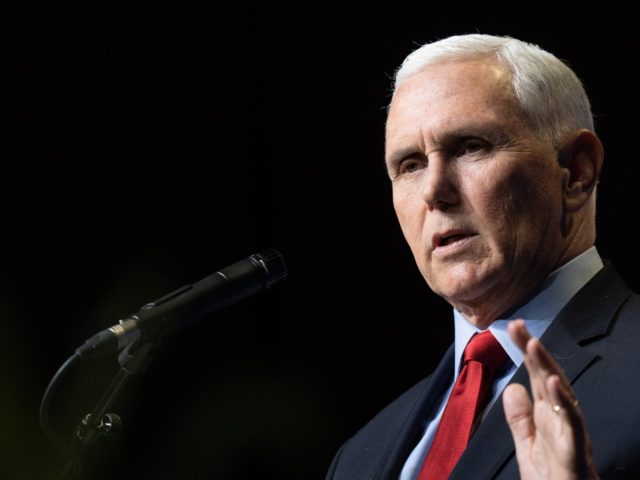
438, 188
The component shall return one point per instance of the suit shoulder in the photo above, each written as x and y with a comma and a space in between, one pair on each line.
372, 445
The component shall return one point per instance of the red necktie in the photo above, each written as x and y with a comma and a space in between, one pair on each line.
483, 356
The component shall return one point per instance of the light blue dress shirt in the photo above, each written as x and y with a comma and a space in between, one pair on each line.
556, 291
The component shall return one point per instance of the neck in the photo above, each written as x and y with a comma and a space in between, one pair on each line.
499, 301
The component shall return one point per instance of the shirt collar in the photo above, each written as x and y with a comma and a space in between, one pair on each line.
554, 293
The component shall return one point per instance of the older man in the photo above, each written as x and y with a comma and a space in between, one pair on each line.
494, 161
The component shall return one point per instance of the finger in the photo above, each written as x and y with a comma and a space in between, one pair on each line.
542, 365
523, 339
564, 402
544, 361
539, 362
518, 411
519, 333
572, 422
538, 371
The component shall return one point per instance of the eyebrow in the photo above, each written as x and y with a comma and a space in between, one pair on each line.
493, 132
399, 154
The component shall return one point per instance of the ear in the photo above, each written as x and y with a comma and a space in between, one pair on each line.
582, 155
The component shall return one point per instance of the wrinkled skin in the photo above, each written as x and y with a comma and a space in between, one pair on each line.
489, 210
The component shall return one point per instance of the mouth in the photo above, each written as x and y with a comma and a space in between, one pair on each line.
451, 237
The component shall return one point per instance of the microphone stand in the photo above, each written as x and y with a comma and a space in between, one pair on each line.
133, 360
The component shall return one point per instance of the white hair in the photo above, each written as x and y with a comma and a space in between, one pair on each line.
552, 97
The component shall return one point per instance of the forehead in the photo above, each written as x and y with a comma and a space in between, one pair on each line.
453, 95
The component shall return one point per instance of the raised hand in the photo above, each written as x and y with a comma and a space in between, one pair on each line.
549, 432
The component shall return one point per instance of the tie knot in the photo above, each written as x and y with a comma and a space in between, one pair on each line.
484, 348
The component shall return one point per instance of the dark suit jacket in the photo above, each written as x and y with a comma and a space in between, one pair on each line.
595, 338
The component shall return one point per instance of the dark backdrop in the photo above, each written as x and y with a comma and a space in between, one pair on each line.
146, 151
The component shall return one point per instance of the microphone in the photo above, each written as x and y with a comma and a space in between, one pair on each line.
190, 303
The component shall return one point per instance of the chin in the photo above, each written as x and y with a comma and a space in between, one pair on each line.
463, 283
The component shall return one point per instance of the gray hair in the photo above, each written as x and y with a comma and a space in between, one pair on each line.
552, 97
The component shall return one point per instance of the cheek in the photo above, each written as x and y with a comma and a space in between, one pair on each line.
403, 207
410, 214
520, 211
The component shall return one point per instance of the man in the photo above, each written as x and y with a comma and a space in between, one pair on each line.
493, 159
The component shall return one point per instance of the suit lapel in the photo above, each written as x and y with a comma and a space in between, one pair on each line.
586, 317
412, 426
492, 442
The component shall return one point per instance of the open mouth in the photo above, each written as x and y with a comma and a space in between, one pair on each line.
450, 237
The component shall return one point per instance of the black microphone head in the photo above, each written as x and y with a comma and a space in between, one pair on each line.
272, 262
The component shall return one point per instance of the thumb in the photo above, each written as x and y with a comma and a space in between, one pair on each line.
518, 410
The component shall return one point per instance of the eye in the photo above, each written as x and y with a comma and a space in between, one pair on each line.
472, 146
410, 166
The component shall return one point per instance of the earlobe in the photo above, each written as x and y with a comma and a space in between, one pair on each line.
582, 156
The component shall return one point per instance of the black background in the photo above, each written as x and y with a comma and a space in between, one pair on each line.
148, 150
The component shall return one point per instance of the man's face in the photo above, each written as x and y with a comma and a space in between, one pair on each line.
477, 194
